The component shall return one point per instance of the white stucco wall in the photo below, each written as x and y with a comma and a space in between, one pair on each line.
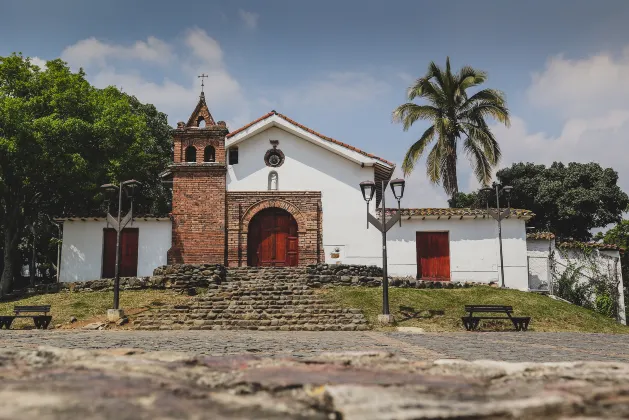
309, 167
474, 249
538, 251
605, 264
82, 248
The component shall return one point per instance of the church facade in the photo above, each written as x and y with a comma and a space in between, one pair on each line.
277, 193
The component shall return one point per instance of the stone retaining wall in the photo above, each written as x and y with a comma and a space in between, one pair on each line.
181, 277
344, 270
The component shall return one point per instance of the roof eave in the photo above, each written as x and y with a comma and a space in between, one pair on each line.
274, 120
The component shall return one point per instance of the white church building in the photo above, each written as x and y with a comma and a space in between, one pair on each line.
277, 193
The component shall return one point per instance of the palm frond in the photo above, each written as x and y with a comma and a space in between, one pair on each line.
417, 149
480, 163
434, 71
482, 110
428, 90
469, 77
409, 113
481, 135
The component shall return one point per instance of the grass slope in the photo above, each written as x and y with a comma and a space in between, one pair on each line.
89, 305
422, 308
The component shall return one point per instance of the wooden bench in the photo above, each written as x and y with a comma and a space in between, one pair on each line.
41, 321
470, 322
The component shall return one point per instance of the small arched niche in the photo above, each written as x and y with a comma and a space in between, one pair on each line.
273, 181
191, 154
209, 154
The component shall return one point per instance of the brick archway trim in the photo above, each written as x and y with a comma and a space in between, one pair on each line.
273, 203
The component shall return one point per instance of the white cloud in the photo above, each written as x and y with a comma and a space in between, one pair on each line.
250, 19
596, 139
337, 88
583, 87
590, 100
125, 67
39, 62
419, 192
92, 51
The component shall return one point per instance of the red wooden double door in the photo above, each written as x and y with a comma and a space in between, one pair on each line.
272, 239
128, 253
433, 255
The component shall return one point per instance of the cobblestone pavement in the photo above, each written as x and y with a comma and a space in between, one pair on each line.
526, 346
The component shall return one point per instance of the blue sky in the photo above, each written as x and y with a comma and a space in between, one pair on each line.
341, 67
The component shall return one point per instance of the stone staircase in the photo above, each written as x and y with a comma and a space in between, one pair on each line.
253, 298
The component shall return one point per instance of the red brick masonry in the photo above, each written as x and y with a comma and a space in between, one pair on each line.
304, 206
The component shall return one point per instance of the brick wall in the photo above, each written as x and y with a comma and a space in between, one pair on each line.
198, 206
198, 214
199, 138
304, 206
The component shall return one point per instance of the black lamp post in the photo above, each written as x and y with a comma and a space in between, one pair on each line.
368, 189
499, 215
118, 224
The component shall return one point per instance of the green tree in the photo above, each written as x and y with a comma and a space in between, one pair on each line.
454, 116
461, 200
569, 200
60, 138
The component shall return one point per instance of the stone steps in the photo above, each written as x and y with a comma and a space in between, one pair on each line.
257, 298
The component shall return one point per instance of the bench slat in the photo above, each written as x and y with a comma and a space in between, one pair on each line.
41, 308
488, 308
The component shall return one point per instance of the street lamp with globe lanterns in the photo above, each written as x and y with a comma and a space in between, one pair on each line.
368, 189
499, 215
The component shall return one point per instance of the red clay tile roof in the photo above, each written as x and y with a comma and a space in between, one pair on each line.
446, 211
540, 235
303, 127
99, 215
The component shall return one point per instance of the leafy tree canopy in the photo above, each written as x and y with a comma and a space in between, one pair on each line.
61, 138
569, 200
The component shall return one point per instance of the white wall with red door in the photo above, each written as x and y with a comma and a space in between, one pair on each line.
455, 249
88, 248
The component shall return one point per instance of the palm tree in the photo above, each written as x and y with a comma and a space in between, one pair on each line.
454, 116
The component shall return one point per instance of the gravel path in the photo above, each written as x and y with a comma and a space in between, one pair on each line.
515, 347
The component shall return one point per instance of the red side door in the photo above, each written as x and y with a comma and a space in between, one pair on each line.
128, 252
433, 255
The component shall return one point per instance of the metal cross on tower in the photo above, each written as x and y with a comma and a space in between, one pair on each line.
202, 76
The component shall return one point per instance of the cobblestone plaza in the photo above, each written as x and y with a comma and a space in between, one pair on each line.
505, 346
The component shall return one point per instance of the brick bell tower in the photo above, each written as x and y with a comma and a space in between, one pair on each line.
199, 189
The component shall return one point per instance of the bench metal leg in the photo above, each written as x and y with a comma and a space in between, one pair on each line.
470, 323
41, 322
467, 323
6, 321
525, 324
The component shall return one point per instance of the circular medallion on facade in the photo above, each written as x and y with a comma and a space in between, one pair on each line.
274, 158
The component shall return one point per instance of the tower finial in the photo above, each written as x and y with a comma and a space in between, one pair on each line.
202, 76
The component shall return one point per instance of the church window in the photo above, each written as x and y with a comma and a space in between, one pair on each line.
233, 156
274, 158
201, 122
273, 181
191, 154
209, 154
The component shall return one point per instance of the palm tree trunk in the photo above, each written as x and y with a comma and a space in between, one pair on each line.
450, 183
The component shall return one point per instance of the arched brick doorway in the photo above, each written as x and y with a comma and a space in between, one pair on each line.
272, 239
